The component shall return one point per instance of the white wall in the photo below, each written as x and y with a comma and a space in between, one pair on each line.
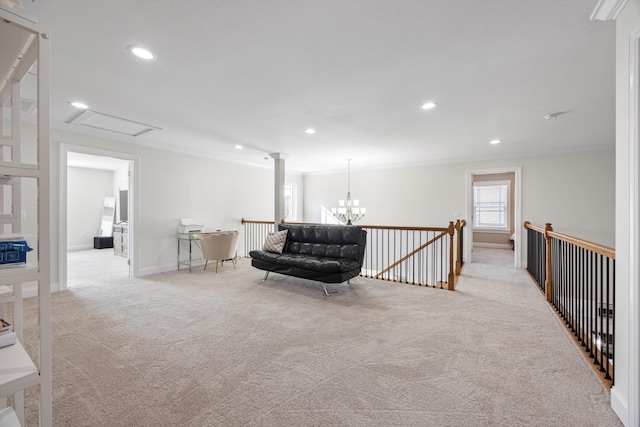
86, 190
575, 192
626, 23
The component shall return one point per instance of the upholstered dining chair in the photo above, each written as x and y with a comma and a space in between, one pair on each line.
220, 247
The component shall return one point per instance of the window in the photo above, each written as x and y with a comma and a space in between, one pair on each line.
326, 217
290, 202
491, 205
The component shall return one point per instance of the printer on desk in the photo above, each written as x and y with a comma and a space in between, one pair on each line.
187, 226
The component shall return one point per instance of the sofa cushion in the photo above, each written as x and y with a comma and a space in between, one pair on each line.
307, 262
264, 256
325, 241
275, 241
329, 234
317, 263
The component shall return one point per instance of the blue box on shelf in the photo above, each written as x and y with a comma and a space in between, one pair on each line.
12, 252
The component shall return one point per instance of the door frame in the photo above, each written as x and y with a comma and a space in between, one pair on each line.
517, 204
632, 296
133, 206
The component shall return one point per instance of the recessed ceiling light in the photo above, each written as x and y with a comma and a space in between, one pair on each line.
310, 131
238, 147
80, 105
141, 52
429, 105
495, 142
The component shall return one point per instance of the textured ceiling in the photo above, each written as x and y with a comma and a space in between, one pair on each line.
259, 72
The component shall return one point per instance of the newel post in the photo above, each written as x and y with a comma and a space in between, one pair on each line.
547, 253
451, 282
459, 251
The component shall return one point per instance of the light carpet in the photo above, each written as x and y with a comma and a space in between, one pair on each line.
207, 349
494, 256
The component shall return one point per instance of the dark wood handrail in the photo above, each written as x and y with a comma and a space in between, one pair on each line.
381, 227
585, 244
389, 227
251, 221
373, 227
527, 224
581, 243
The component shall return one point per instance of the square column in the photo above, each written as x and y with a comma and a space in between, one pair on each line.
279, 174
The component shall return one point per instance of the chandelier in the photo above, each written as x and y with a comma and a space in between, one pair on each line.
348, 211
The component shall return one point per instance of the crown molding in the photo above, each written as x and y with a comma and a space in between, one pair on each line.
607, 10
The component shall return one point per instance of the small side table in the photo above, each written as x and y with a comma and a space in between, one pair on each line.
191, 238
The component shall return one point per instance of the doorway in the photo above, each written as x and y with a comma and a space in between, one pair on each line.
90, 181
494, 210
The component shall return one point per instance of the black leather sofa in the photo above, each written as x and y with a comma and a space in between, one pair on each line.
326, 253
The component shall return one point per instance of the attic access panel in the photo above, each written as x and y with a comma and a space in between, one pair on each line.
111, 123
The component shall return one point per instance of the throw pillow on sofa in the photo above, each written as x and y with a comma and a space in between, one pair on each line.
275, 241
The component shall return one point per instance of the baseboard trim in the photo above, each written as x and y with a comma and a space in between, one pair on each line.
79, 247
167, 268
492, 245
619, 406
157, 270
30, 289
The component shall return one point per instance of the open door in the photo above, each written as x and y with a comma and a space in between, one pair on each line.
85, 175
494, 211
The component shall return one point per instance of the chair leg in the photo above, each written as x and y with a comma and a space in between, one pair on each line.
206, 261
265, 276
233, 261
216, 266
326, 294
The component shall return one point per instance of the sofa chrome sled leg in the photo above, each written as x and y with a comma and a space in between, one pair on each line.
326, 294
265, 276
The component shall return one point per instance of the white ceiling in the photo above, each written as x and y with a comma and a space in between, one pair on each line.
259, 72
89, 161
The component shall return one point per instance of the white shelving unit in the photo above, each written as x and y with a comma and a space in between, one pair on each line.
24, 208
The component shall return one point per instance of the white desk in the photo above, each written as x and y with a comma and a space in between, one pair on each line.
191, 238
